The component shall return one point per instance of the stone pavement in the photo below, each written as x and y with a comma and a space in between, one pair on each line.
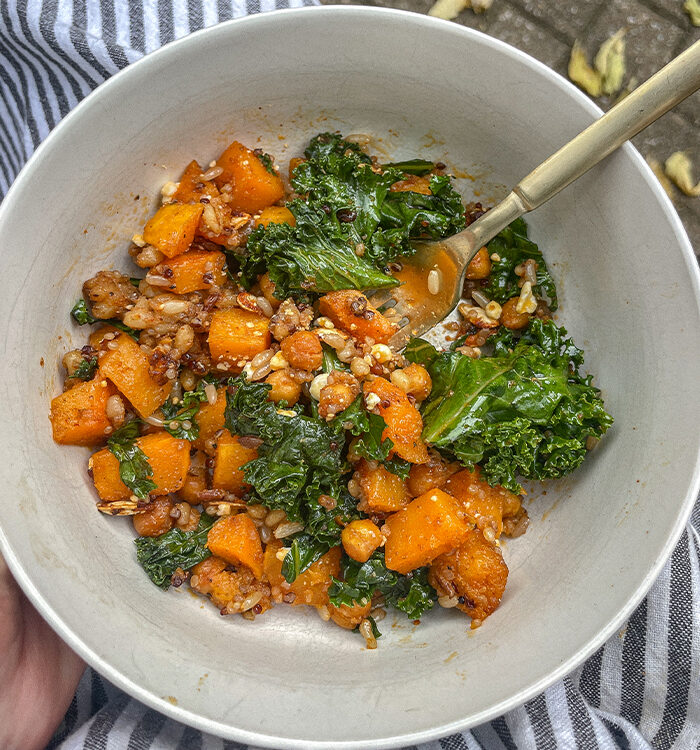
546, 29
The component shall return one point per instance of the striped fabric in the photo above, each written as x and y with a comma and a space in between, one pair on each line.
640, 691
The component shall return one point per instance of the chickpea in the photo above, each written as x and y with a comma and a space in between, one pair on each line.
479, 266
284, 388
189, 517
350, 617
72, 361
511, 318
338, 394
334, 399
156, 519
267, 287
189, 492
303, 350
413, 380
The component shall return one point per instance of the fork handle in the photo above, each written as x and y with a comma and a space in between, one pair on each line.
666, 88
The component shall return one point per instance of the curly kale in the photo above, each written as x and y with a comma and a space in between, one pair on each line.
526, 411
512, 248
349, 224
409, 593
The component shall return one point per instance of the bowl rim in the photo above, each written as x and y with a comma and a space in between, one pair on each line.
227, 731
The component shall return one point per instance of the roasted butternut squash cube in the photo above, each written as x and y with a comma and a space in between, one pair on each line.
128, 368
428, 527
253, 187
360, 538
210, 419
192, 271
351, 312
168, 457
380, 490
404, 423
192, 188
230, 459
275, 215
238, 334
311, 586
78, 416
172, 228
236, 540
484, 505
97, 336
475, 574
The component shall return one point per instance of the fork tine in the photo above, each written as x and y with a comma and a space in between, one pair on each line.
382, 298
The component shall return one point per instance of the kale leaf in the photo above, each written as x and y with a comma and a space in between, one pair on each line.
85, 370
368, 428
134, 469
412, 166
304, 552
411, 593
162, 555
313, 256
526, 411
300, 458
513, 247
339, 176
267, 162
180, 423
349, 224
83, 316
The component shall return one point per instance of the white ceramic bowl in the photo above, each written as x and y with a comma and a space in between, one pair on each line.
629, 289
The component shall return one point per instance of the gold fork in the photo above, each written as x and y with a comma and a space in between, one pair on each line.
432, 279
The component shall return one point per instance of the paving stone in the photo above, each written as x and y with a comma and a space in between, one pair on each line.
673, 9
651, 39
568, 17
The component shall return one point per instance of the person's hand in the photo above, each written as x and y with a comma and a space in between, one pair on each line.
38, 672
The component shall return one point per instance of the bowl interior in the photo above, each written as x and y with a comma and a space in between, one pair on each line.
621, 263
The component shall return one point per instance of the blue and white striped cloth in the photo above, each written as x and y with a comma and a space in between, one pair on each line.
640, 691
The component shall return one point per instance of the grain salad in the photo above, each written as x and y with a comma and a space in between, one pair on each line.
248, 411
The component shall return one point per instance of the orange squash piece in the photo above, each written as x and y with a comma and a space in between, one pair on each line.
210, 419
475, 573
404, 423
128, 368
97, 336
252, 186
191, 187
192, 271
380, 490
169, 459
360, 538
428, 476
275, 215
311, 586
172, 228
236, 540
78, 416
230, 459
238, 334
430, 526
351, 312
484, 505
